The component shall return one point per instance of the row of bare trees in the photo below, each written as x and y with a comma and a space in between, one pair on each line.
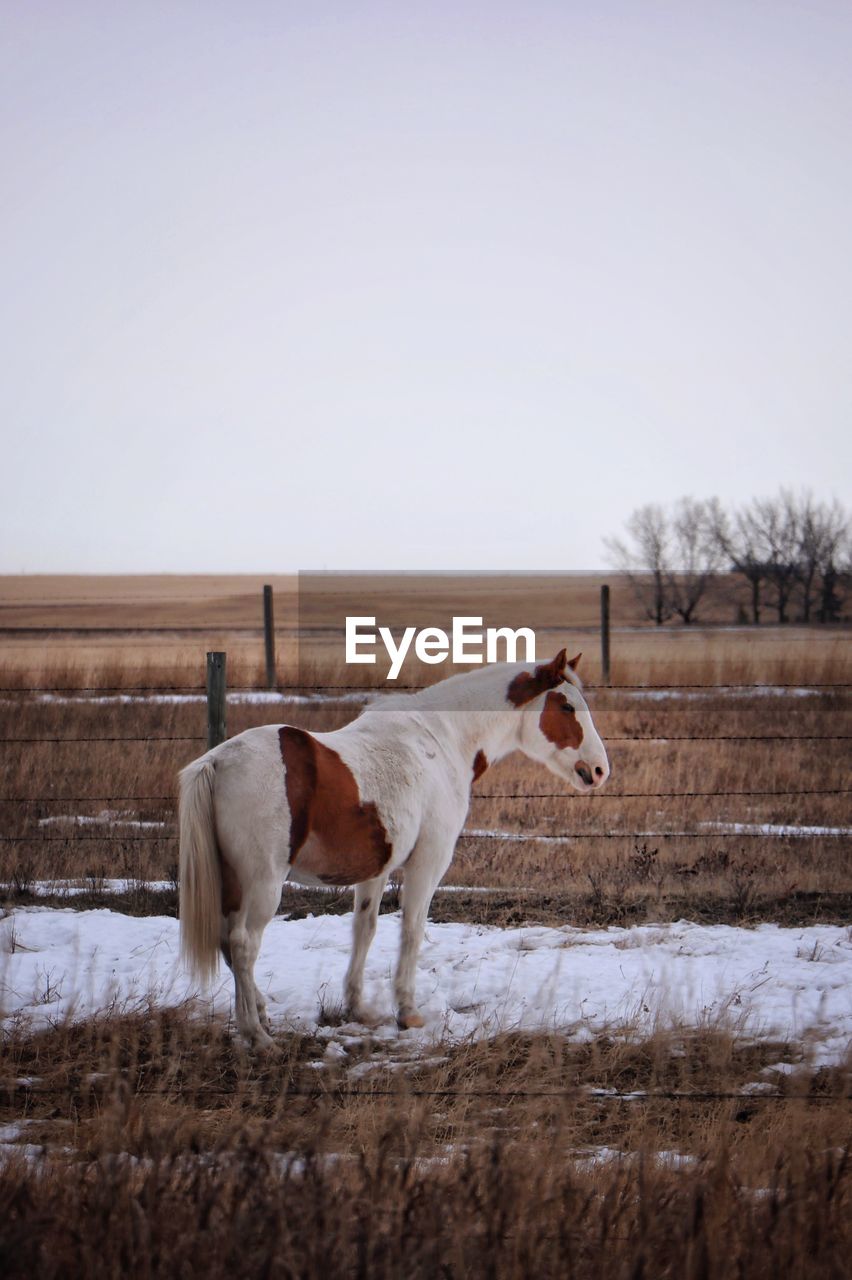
793, 552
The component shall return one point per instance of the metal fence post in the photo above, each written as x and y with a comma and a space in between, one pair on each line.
605, 674
269, 636
216, 731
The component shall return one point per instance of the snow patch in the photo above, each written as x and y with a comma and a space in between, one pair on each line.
773, 829
105, 818
473, 981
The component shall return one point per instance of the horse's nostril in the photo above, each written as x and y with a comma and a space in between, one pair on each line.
598, 771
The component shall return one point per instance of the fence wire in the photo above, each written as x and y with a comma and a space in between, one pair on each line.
668, 737
486, 795
589, 1095
609, 796
510, 837
284, 690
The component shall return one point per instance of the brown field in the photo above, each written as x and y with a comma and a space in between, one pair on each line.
101, 629
644, 848
171, 1151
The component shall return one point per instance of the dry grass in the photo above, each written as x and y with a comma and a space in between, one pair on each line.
163, 625
607, 868
172, 1152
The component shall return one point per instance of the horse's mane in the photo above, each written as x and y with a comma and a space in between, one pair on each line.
453, 691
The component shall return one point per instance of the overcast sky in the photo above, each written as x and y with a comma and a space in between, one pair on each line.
414, 285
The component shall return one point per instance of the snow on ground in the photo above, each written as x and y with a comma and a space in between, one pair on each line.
106, 818
472, 981
114, 821
76, 886
254, 697
278, 697
730, 691
735, 828
774, 829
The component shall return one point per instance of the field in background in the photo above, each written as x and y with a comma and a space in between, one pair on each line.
724, 804
689, 1154
104, 629
695, 821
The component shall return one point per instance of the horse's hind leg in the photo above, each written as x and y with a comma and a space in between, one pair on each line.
422, 875
245, 928
259, 999
368, 897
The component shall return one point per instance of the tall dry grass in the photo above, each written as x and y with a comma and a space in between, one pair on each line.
167, 623
632, 852
171, 1152
246, 1215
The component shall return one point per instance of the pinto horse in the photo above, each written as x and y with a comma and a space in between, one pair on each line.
389, 790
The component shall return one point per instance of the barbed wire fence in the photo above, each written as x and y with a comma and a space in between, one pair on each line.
166, 804
215, 696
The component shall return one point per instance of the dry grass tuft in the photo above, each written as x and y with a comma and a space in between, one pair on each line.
173, 1152
616, 861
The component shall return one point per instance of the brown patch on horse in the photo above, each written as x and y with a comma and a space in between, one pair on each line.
547, 675
333, 834
559, 726
232, 893
480, 764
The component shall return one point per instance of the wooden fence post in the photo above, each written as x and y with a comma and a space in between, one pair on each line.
216, 731
605, 674
269, 636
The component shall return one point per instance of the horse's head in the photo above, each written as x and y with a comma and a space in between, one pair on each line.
556, 725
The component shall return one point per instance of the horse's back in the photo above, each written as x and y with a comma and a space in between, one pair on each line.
338, 808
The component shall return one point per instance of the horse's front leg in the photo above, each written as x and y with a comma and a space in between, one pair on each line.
423, 873
368, 897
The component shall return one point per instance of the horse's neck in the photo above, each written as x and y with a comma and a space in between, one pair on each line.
494, 733
464, 732
466, 714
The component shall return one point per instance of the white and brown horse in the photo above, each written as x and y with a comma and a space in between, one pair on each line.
389, 790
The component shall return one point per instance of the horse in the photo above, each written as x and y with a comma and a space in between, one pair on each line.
391, 789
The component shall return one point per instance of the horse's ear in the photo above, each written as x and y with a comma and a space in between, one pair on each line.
557, 667
573, 663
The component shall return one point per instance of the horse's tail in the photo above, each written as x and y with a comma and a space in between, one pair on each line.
200, 871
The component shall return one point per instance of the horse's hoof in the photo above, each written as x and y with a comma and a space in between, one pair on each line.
408, 1021
364, 1017
262, 1043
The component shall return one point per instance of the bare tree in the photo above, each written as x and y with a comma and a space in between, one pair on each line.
779, 522
824, 530
670, 559
696, 554
786, 548
788, 545
645, 559
741, 541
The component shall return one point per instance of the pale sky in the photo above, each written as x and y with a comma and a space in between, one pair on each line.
422, 285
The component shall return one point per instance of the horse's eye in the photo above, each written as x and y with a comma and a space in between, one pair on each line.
568, 709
